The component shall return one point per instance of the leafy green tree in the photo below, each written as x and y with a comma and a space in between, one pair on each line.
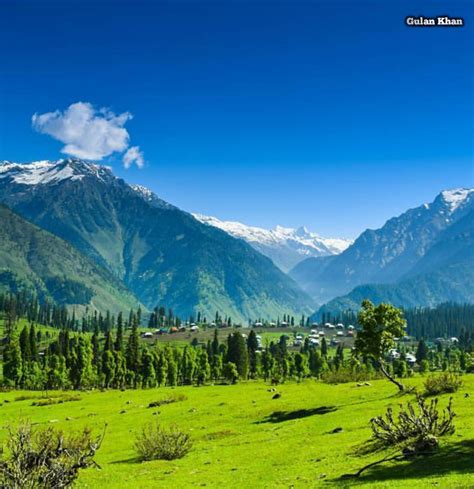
203, 368
380, 326
230, 372
148, 373
301, 366
12, 363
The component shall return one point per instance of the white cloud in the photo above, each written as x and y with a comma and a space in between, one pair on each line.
133, 155
89, 133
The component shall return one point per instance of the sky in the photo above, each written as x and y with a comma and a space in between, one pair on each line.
329, 114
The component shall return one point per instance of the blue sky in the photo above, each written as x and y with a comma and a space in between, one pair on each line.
326, 114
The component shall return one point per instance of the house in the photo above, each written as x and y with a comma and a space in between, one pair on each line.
194, 329
313, 342
339, 326
393, 354
350, 327
410, 359
340, 333
148, 334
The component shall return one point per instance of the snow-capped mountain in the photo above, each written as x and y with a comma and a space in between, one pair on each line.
388, 254
49, 172
285, 246
160, 253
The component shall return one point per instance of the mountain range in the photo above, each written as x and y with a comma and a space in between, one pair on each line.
285, 246
161, 254
75, 233
420, 258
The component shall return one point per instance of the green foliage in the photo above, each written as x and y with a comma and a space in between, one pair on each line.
230, 373
446, 382
37, 261
157, 443
380, 326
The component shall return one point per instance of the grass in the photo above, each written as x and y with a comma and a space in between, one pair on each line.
244, 438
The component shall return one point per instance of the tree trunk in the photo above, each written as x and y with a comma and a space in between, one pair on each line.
400, 386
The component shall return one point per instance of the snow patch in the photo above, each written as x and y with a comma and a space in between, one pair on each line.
46, 172
301, 240
456, 197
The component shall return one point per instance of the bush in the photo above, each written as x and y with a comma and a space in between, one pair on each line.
158, 443
45, 457
167, 400
411, 425
441, 384
59, 400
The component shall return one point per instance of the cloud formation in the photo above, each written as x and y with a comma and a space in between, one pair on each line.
133, 155
89, 133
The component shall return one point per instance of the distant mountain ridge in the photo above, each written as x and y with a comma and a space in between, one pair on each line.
444, 274
162, 254
285, 246
385, 255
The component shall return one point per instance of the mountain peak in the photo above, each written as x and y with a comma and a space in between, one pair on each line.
456, 197
50, 172
285, 246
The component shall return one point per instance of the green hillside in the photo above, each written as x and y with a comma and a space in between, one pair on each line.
162, 254
35, 260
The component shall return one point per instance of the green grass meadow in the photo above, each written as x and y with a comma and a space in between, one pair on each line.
244, 439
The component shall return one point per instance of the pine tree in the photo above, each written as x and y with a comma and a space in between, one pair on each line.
25, 345
12, 363
132, 353
118, 346
324, 347
33, 343
421, 352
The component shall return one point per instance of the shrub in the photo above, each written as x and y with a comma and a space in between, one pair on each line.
230, 373
60, 400
411, 425
447, 382
167, 400
45, 457
157, 443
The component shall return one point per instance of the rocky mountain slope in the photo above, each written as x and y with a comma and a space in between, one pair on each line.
161, 254
388, 254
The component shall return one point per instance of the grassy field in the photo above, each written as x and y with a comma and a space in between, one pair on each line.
244, 438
